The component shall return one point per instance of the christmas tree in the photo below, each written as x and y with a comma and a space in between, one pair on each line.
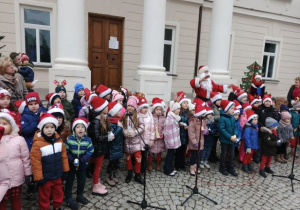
254, 68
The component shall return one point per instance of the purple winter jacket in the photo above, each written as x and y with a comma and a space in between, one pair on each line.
159, 144
172, 132
149, 131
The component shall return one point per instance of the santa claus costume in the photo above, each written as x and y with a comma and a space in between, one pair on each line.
257, 86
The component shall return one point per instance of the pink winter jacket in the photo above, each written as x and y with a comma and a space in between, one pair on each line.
171, 132
133, 144
14, 161
149, 132
194, 133
243, 120
159, 144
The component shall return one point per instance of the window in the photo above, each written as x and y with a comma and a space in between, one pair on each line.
36, 35
169, 49
269, 59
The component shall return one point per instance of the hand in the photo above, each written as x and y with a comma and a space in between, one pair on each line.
248, 150
233, 138
41, 182
151, 143
28, 179
279, 142
64, 176
182, 124
295, 130
237, 140
229, 86
120, 124
186, 127
111, 136
196, 145
131, 133
204, 132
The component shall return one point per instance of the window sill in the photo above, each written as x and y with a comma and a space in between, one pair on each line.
172, 75
271, 81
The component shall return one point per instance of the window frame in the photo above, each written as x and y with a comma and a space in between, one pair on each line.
174, 26
37, 29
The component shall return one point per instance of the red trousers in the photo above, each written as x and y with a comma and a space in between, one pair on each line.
15, 203
97, 168
138, 161
158, 158
293, 142
248, 157
52, 189
265, 162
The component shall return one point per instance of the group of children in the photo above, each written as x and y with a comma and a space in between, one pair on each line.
47, 147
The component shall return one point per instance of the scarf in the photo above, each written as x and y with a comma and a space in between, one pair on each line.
177, 117
274, 132
210, 121
283, 123
114, 120
50, 139
12, 79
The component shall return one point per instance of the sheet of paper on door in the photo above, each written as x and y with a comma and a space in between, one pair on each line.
113, 43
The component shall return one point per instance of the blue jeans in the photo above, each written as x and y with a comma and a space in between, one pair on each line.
168, 167
205, 153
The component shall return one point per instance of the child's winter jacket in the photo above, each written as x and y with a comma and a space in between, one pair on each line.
159, 144
194, 133
227, 128
76, 104
68, 109
184, 138
268, 142
209, 139
149, 132
295, 121
251, 136
171, 131
116, 146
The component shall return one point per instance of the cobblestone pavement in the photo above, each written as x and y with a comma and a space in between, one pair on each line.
245, 192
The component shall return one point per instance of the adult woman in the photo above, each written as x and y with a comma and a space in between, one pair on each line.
294, 92
11, 81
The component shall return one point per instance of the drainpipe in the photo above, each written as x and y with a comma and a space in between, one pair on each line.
198, 41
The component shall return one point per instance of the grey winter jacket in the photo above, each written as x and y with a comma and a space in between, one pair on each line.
285, 133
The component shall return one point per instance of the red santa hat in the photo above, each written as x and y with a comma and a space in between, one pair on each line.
102, 91
241, 94
235, 89
237, 104
8, 115
114, 108
132, 101
202, 69
199, 110
236, 111
208, 111
182, 97
21, 106
98, 104
4, 93
174, 105
157, 102
24, 57
81, 120
225, 104
32, 97
88, 95
250, 115
116, 96
214, 96
51, 97
142, 103
246, 106
57, 108
124, 90
252, 100
47, 118
267, 98
257, 76
199, 101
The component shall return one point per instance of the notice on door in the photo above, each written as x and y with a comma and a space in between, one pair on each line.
113, 43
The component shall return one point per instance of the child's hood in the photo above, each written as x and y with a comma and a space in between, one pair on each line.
38, 136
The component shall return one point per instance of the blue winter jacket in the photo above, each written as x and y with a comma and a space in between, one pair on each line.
295, 121
227, 128
240, 130
183, 132
76, 104
210, 138
251, 136
29, 123
27, 73
115, 147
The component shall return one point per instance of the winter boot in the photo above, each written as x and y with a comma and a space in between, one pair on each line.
115, 177
158, 166
109, 180
282, 158
245, 168
192, 170
129, 176
81, 199
30, 190
232, 172
98, 190
150, 166
262, 173
72, 204
223, 171
269, 170
138, 178
251, 170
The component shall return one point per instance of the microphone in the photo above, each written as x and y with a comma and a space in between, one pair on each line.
128, 114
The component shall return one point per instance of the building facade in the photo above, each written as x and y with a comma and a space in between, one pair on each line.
101, 41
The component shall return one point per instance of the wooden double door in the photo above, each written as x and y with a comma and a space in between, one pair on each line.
105, 50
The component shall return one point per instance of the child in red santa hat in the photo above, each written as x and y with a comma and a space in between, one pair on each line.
257, 87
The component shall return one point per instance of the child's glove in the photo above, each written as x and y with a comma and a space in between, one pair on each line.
41, 182
279, 142
237, 140
1, 132
182, 124
120, 124
196, 145
111, 136
28, 179
248, 150
204, 132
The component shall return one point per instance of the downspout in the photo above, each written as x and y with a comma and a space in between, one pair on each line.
198, 41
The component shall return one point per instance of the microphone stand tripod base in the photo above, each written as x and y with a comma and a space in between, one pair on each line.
195, 191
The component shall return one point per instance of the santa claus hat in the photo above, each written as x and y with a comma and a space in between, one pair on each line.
132, 101
199, 101
116, 96
237, 104
241, 94
246, 106
214, 96
267, 98
252, 100
102, 91
192, 106
114, 108
157, 102
225, 104
47, 118
57, 108
4, 93
21, 106
257, 76
142, 103
250, 115
236, 111
51, 97
182, 97
174, 105
32, 97
24, 57
9, 116
124, 90
81, 120
88, 95
199, 110
202, 69
235, 89
208, 111
98, 104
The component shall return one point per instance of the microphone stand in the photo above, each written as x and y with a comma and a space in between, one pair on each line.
195, 190
292, 175
144, 203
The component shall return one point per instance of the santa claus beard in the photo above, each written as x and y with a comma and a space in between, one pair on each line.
206, 84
